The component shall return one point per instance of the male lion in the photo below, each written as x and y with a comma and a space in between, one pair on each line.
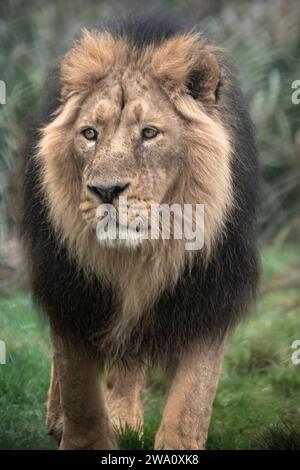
146, 109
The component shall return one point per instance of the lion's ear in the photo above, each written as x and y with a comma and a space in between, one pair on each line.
184, 64
203, 81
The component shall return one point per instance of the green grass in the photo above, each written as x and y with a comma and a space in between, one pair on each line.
258, 400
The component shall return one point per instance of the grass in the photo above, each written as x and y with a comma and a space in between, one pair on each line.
258, 400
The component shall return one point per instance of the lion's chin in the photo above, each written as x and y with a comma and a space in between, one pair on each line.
121, 244
122, 238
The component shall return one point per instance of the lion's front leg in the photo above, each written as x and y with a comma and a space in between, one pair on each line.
54, 417
124, 396
85, 418
187, 413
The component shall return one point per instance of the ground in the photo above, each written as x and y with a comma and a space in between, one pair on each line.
258, 400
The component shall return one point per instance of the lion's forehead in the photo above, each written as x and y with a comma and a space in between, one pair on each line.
131, 93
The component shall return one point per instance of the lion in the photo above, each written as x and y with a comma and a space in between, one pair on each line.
146, 110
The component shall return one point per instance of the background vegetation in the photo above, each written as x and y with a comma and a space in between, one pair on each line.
258, 403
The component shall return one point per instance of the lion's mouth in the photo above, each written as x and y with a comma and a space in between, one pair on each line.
122, 227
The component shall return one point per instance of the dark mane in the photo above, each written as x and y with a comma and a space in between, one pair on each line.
146, 29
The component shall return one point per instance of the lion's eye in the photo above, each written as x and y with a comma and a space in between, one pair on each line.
90, 134
149, 132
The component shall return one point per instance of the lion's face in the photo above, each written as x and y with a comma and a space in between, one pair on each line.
128, 142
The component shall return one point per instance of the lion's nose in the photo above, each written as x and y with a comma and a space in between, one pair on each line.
108, 192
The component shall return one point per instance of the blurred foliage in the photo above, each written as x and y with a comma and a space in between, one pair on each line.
265, 46
261, 37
